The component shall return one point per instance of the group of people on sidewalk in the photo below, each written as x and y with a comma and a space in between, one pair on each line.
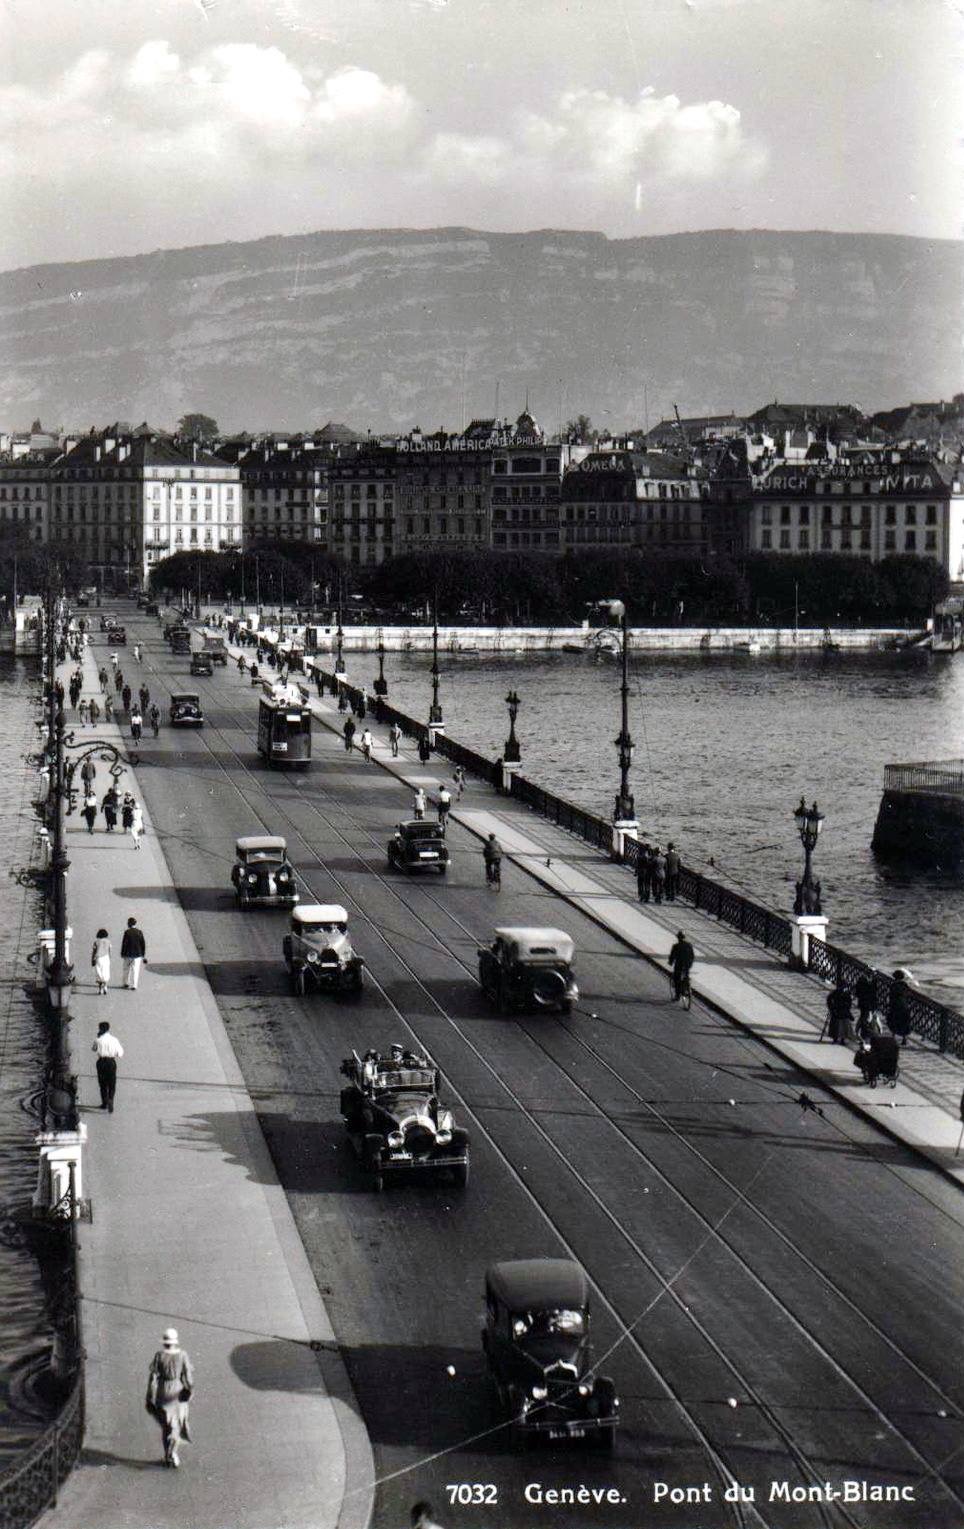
657, 872
876, 1055
133, 954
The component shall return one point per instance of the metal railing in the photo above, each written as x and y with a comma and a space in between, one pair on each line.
31, 1483
945, 778
930, 1019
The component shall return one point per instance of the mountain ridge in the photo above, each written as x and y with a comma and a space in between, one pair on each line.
386, 326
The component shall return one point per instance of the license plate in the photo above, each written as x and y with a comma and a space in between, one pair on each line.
428, 854
567, 1433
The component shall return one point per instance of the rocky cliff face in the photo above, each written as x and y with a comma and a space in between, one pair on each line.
384, 328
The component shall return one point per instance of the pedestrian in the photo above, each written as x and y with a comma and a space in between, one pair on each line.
93, 708
367, 742
865, 994
423, 1516
88, 771
100, 959
137, 652
458, 776
671, 871
108, 1049
643, 865
127, 811
90, 810
115, 661
839, 1021
137, 824
492, 855
681, 959
126, 698
424, 748
394, 738
109, 808
155, 717
74, 692
418, 804
170, 1383
118, 680
349, 733
444, 807
59, 693
319, 684
136, 724
133, 952
657, 878
898, 1009
83, 709
144, 695
360, 708
103, 677
108, 708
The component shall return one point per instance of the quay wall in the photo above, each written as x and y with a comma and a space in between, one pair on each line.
453, 639
922, 828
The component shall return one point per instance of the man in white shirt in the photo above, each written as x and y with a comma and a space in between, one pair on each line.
108, 1049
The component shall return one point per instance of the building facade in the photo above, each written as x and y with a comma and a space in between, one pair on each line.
645, 500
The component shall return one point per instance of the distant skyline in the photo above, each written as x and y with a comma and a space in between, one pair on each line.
155, 124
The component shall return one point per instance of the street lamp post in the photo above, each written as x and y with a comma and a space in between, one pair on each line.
59, 976
436, 722
809, 821
241, 556
380, 686
624, 813
511, 754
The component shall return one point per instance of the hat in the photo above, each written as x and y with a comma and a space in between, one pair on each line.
169, 1337
680, 935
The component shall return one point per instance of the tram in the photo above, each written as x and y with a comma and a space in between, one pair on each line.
284, 727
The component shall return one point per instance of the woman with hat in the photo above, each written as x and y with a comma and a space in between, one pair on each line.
170, 1382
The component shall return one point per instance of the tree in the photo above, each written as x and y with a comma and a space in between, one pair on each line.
580, 429
198, 427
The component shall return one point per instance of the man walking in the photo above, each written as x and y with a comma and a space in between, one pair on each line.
367, 742
155, 716
444, 807
133, 952
108, 1050
418, 804
643, 855
657, 877
109, 808
145, 697
395, 738
671, 871
136, 724
126, 697
349, 733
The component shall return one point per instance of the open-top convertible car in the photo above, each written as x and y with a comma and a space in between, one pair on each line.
418, 846
202, 663
394, 1117
536, 1341
262, 873
318, 952
528, 968
186, 709
117, 635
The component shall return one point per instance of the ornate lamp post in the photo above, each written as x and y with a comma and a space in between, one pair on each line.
809, 821
624, 811
436, 722
59, 975
380, 686
241, 557
511, 753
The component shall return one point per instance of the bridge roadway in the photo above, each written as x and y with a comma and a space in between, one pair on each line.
778, 1303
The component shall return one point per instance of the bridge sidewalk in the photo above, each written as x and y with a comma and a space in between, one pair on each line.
753, 987
190, 1229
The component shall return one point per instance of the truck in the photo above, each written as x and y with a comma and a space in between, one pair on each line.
216, 647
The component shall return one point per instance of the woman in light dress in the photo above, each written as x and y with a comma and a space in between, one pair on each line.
170, 1382
100, 959
137, 824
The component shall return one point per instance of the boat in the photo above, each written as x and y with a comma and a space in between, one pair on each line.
752, 645
574, 647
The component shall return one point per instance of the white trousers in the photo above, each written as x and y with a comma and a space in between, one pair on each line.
132, 970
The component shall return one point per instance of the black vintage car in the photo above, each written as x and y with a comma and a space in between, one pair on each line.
418, 845
202, 663
186, 709
395, 1119
528, 968
536, 1341
262, 874
117, 635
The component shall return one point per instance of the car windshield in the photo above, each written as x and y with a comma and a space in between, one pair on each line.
541, 1324
394, 1078
421, 831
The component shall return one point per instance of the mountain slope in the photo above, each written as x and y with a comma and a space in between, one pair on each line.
381, 328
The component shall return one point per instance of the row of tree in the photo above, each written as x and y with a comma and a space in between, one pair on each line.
816, 590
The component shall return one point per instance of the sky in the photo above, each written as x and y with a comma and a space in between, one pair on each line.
132, 125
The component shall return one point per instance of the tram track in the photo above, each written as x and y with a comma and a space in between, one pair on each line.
712, 1231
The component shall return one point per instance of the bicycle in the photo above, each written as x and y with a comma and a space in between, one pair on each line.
680, 989
493, 872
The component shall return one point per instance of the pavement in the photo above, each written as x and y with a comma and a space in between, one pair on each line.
194, 1231
754, 988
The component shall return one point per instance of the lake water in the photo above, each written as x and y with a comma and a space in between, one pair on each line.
725, 746
24, 1332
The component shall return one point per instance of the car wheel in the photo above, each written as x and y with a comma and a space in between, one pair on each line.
298, 981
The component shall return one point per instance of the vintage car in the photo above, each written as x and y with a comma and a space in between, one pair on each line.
418, 846
117, 635
318, 952
172, 626
263, 874
395, 1120
536, 1339
528, 968
180, 640
186, 709
215, 647
202, 663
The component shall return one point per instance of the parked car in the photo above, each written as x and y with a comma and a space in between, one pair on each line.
186, 709
418, 846
395, 1119
263, 874
536, 1342
117, 635
318, 951
202, 663
528, 968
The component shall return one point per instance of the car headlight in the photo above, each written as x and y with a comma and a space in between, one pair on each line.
252, 877
313, 957
584, 1390
395, 1139
443, 1138
284, 874
540, 1393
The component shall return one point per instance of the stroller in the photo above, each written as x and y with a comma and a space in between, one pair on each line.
879, 1057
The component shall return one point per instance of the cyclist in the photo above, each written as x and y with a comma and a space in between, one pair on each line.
492, 855
681, 959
